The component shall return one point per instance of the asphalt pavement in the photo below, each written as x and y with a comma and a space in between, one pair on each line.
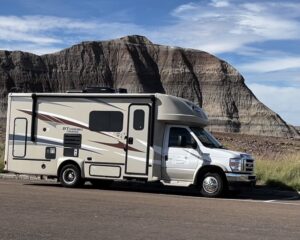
45, 210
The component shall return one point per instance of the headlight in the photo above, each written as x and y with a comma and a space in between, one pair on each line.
235, 164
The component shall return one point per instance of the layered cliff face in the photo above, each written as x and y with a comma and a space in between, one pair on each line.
133, 62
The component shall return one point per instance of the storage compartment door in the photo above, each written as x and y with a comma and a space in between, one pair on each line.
19, 137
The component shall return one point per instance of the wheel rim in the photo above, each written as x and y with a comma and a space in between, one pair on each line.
69, 176
210, 184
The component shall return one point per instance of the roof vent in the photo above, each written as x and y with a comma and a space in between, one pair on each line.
122, 90
99, 90
74, 91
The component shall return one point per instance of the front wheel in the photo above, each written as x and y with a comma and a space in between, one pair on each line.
70, 176
212, 185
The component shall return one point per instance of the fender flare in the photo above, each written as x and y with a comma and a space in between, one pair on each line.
69, 160
207, 168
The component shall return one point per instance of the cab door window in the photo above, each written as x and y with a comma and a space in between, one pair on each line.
180, 137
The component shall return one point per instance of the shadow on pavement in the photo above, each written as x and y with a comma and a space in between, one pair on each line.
263, 193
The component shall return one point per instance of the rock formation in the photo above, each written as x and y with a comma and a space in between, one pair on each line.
135, 63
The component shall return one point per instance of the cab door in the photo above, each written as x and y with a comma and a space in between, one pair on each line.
181, 154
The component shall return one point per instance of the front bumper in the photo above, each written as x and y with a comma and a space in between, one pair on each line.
237, 180
240, 177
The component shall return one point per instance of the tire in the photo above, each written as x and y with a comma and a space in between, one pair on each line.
70, 176
100, 183
212, 185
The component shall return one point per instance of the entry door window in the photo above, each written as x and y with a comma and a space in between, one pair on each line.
138, 119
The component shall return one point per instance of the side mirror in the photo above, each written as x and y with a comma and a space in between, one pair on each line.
181, 141
194, 144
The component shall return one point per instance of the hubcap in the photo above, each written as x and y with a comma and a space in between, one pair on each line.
69, 176
210, 184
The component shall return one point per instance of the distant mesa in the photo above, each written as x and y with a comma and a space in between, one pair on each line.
136, 39
135, 63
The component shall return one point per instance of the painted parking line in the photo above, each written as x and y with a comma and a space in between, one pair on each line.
275, 201
286, 203
283, 199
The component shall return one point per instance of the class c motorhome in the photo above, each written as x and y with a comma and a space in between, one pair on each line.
102, 136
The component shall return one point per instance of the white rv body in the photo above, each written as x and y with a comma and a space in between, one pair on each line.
150, 137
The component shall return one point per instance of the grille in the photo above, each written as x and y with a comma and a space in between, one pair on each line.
248, 165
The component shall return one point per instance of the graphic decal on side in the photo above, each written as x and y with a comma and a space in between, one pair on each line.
58, 119
119, 145
54, 142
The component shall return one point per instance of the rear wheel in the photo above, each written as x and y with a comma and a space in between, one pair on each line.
212, 185
70, 176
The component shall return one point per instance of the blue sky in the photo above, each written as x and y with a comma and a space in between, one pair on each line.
259, 38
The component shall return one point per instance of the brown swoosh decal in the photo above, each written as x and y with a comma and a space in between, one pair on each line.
49, 118
119, 145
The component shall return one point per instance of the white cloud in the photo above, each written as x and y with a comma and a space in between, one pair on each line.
9, 35
30, 47
287, 78
184, 8
254, 7
40, 23
36, 29
46, 34
270, 65
220, 3
283, 100
217, 28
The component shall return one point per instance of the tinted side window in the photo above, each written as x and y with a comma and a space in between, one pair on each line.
138, 119
106, 121
173, 137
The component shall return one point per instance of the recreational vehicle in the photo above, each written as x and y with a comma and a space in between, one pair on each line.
101, 136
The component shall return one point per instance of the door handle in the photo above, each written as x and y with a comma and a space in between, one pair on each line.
130, 140
166, 157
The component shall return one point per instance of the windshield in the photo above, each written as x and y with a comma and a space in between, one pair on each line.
206, 138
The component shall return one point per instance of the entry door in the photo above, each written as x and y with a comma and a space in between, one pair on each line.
137, 147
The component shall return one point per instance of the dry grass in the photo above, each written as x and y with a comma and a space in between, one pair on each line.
279, 170
277, 159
